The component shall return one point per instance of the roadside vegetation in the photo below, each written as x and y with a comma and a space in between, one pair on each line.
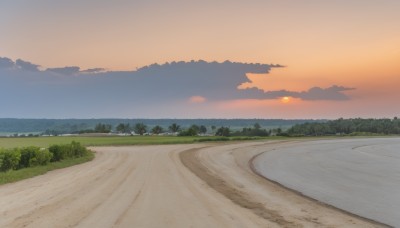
25, 162
347, 127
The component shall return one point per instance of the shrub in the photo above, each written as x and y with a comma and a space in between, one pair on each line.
58, 152
27, 154
42, 157
9, 159
73, 150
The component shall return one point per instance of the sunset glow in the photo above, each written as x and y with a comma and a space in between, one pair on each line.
349, 63
285, 100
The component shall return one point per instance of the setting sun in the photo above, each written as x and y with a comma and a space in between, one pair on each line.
285, 99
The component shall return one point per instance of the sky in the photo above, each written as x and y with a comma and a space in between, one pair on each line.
349, 50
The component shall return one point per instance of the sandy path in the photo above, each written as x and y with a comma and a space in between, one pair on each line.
149, 186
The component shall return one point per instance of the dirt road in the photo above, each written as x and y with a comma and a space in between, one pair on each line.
202, 185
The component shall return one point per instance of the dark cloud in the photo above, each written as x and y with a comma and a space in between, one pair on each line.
69, 70
332, 93
6, 63
27, 66
315, 93
93, 70
171, 86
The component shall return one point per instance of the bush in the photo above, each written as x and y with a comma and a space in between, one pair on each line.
42, 157
58, 153
34, 156
9, 159
27, 154
73, 150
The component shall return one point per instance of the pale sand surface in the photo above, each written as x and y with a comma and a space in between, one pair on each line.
152, 186
361, 176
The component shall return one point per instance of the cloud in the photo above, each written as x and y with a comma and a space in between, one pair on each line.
27, 66
69, 70
197, 99
93, 70
6, 63
331, 93
130, 92
315, 93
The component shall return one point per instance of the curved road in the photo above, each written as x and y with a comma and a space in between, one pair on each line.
200, 185
361, 176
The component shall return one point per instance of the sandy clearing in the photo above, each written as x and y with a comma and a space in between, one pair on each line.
149, 186
361, 176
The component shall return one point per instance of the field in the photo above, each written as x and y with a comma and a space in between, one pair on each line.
111, 140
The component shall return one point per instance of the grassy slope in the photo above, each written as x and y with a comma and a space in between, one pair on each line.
16, 175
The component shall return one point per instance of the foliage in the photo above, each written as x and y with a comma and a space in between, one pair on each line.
123, 128
157, 130
174, 128
20, 174
256, 131
223, 131
347, 127
140, 128
202, 129
102, 128
191, 131
9, 159
19, 158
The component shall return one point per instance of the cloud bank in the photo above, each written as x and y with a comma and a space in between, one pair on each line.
65, 91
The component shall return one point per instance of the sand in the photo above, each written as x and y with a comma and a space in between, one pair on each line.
361, 176
199, 185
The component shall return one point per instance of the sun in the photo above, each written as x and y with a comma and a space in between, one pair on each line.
285, 99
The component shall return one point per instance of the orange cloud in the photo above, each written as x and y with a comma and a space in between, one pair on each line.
197, 99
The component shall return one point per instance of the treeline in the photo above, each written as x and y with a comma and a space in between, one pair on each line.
19, 158
342, 126
71, 126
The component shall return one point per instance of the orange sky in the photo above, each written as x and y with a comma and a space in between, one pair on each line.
322, 43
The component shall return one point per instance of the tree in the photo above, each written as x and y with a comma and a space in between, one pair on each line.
174, 127
223, 131
257, 126
123, 128
191, 131
102, 128
156, 130
140, 128
202, 129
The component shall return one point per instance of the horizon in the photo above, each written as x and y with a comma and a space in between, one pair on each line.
229, 59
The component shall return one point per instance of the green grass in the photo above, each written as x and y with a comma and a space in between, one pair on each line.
16, 175
113, 140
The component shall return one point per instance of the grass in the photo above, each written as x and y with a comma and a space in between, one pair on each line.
115, 140
17, 175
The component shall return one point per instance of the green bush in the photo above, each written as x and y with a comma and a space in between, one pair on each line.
9, 159
34, 156
58, 152
73, 150
42, 157
27, 154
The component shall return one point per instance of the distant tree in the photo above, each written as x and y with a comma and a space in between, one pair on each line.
140, 128
257, 126
156, 130
123, 128
202, 129
191, 131
223, 131
102, 128
213, 128
174, 128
